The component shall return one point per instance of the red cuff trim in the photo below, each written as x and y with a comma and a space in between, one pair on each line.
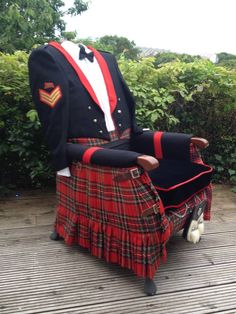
88, 154
157, 145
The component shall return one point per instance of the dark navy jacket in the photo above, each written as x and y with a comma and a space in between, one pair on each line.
68, 108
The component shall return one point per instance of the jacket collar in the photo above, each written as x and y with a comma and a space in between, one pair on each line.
105, 71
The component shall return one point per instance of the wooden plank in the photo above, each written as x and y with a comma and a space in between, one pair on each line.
26, 205
25, 221
22, 234
49, 278
202, 301
207, 241
43, 250
26, 212
223, 198
31, 231
38, 239
219, 227
63, 253
116, 300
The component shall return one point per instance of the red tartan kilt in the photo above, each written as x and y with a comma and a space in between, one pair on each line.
105, 216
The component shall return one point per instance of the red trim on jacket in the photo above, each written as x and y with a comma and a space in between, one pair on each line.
157, 144
88, 154
107, 78
77, 69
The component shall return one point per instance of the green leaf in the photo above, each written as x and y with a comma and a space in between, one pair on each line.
231, 172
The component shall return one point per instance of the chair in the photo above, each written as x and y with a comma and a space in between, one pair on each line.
130, 190
124, 215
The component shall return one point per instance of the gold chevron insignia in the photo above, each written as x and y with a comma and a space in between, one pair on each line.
51, 98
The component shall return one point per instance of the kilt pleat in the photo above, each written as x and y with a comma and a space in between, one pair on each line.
107, 217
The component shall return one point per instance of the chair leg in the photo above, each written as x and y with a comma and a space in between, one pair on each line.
195, 226
150, 287
55, 236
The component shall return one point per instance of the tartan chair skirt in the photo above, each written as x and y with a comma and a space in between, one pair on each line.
108, 217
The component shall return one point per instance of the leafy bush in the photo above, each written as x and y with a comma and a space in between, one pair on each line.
227, 60
152, 101
23, 158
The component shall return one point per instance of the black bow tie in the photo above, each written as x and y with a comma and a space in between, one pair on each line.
83, 54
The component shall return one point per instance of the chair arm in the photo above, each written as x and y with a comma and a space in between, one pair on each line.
102, 156
148, 163
165, 145
200, 142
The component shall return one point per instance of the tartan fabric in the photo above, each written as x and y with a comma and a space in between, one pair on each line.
178, 218
105, 216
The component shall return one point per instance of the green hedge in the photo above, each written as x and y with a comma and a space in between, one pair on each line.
23, 158
196, 97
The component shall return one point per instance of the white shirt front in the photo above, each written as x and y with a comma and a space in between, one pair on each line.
95, 77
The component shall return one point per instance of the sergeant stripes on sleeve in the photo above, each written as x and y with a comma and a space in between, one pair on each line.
50, 98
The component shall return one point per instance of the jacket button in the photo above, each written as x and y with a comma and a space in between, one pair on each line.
120, 125
118, 99
119, 111
100, 131
89, 107
95, 120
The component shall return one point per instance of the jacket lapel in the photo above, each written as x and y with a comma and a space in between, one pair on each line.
105, 71
77, 69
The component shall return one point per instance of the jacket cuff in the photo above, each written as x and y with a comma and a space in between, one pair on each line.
102, 156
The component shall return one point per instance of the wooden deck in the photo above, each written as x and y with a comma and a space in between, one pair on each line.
38, 275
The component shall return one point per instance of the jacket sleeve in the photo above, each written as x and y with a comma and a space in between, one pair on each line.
163, 145
102, 156
49, 91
